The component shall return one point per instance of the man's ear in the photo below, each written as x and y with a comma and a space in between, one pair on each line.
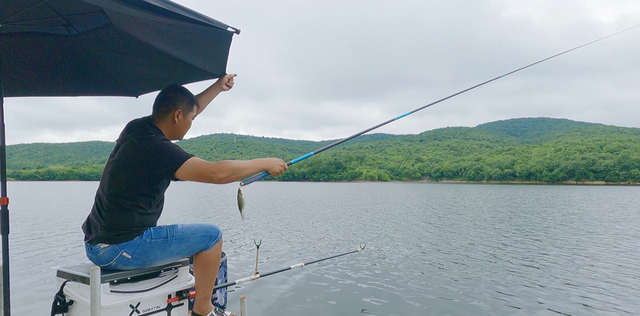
176, 115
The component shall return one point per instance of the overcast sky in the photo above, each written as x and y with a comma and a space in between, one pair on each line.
317, 70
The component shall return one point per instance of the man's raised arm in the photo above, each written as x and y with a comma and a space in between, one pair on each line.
225, 83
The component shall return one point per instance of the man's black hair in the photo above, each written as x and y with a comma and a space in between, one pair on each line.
172, 98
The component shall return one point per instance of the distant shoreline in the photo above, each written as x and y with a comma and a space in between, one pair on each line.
539, 182
496, 182
425, 181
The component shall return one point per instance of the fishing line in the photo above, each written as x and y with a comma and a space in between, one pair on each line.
263, 174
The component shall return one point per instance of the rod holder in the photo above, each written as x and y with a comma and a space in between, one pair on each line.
243, 307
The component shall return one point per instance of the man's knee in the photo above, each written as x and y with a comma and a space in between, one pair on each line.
216, 237
211, 235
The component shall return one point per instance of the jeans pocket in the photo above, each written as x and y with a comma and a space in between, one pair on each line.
103, 255
113, 264
100, 249
126, 262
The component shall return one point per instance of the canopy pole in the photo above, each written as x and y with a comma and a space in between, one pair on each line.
4, 206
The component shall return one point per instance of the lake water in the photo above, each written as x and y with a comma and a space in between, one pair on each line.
432, 249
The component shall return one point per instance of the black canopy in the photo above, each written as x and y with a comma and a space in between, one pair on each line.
100, 48
107, 47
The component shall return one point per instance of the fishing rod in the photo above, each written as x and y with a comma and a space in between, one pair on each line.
256, 275
263, 174
299, 265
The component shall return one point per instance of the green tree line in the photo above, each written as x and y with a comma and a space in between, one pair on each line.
532, 149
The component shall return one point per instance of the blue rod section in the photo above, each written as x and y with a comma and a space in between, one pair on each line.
301, 158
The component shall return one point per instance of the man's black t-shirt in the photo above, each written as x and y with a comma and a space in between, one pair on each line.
130, 196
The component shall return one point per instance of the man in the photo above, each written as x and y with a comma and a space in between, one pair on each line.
121, 232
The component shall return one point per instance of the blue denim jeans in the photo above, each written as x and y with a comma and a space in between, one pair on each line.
156, 246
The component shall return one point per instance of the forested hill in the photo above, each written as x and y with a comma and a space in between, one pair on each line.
527, 149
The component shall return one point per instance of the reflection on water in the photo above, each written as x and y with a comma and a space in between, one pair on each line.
432, 249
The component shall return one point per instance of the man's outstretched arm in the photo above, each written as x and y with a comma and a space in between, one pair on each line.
227, 171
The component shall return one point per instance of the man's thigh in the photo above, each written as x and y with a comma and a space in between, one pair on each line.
164, 244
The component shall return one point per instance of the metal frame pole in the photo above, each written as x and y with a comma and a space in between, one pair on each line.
4, 206
94, 291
